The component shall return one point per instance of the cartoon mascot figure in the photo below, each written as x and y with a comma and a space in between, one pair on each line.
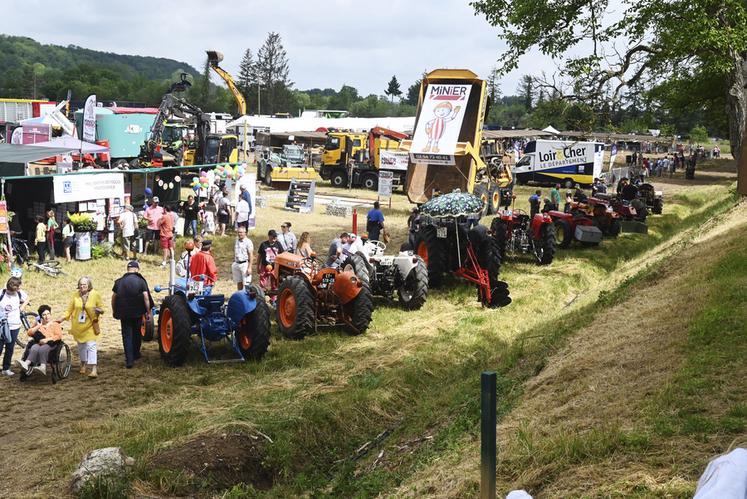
435, 127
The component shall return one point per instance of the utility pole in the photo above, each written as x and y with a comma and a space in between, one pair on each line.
259, 101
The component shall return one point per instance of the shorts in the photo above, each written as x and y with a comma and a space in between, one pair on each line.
128, 242
154, 234
238, 271
68, 242
222, 219
167, 243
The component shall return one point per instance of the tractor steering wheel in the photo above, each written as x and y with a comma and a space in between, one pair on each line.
310, 265
380, 245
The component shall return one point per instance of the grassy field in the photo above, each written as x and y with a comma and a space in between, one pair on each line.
333, 415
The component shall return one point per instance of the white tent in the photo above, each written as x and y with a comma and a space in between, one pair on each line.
551, 129
310, 124
69, 142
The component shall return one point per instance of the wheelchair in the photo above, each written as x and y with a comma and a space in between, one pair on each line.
59, 362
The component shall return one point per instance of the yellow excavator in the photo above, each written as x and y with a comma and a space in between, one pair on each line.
214, 59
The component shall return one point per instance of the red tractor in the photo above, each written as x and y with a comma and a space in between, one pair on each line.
312, 295
515, 232
587, 222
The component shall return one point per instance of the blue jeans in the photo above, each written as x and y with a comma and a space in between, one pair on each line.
131, 339
8, 357
192, 227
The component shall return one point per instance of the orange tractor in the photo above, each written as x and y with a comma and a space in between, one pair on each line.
311, 295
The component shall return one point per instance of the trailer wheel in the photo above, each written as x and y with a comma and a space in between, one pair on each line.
339, 179
174, 330
414, 291
295, 308
563, 234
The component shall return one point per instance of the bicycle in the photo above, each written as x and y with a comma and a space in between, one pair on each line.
50, 267
28, 320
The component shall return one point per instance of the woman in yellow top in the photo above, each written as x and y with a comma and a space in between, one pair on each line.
83, 313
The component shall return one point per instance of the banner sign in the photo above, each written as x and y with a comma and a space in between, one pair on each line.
89, 119
83, 187
440, 122
4, 223
613, 153
393, 160
385, 184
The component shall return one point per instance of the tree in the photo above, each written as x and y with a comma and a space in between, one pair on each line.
272, 70
678, 39
247, 72
392, 89
698, 135
526, 91
413, 93
493, 87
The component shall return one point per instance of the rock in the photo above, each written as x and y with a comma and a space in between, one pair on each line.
110, 461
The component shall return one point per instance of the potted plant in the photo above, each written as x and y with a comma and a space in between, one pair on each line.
84, 224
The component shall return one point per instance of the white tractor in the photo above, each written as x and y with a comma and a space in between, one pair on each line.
405, 274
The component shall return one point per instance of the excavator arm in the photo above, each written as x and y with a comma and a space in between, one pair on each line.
214, 58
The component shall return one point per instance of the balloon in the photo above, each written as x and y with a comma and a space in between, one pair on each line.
196, 188
160, 182
148, 191
177, 179
171, 185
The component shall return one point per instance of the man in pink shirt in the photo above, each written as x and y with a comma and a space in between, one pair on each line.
153, 214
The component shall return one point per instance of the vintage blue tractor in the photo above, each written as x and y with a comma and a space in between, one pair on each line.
190, 308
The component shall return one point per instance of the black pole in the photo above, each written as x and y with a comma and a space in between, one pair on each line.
487, 435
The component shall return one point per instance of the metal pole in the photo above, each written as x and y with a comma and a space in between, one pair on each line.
355, 221
487, 435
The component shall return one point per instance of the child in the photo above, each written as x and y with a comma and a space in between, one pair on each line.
208, 220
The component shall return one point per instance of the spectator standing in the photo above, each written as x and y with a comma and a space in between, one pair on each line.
555, 195
224, 212
68, 238
268, 251
131, 304
534, 202
287, 238
12, 302
52, 226
207, 217
153, 214
243, 210
203, 263
166, 234
243, 249
41, 239
374, 222
190, 209
129, 224
45, 336
83, 310
304, 245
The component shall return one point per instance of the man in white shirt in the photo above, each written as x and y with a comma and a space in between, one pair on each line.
353, 246
128, 224
241, 268
242, 214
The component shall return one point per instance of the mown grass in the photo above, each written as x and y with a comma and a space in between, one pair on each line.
413, 374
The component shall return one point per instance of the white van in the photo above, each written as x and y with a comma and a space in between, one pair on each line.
558, 161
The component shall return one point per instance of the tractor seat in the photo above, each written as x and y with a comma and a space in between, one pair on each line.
211, 303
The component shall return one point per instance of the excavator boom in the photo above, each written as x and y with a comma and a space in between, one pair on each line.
214, 58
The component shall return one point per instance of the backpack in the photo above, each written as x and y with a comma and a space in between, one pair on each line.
5, 336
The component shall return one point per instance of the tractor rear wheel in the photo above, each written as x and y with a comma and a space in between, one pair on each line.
481, 191
563, 234
146, 329
499, 228
544, 247
295, 308
359, 311
433, 251
174, 330
253, 332
414, 290
357, 265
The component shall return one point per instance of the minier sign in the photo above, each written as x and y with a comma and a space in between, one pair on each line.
83, 187
440, 122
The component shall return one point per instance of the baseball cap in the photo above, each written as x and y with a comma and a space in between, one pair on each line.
272, 233
156, 200
132, 264
206, 244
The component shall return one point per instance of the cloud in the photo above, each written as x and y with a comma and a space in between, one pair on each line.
329, 43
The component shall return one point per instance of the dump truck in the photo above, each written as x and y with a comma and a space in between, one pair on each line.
355, 159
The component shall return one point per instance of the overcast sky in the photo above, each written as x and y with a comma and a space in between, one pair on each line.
329, 43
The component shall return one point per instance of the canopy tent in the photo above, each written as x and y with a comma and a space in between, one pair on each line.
310, 124
69, 142
551, 129
13, 157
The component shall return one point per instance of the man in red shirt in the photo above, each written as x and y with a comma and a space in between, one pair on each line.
166, 226
203, 263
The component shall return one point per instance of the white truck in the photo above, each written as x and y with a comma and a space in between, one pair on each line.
558, 161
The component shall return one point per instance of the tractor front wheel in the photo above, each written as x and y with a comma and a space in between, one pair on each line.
563, 233
174, 330
146, 328
357, 265
544, 247
414, 290
359, 312
295, 308
253, 332
433, 251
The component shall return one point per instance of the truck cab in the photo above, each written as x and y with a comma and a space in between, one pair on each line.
338, 149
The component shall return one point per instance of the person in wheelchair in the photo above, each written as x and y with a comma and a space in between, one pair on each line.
45, 337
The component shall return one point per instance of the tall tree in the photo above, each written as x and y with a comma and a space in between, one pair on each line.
526, 91
392, 89
272, 70
413, 93
494, 87
247, 72
655, 39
